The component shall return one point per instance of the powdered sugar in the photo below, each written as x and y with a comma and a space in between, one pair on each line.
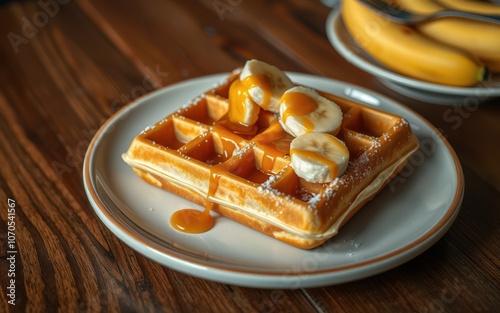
240, 153
148, 128
376, 144
313, 202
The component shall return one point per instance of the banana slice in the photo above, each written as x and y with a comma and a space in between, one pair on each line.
303, 110
242, 109
265, 84
318, 157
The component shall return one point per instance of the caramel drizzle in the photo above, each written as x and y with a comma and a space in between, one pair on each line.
332, 166
193, 221
264, 83
299, 105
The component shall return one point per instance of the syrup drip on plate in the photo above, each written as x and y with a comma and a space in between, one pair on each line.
192, 221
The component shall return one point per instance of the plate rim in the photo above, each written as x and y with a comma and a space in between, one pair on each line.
334, 17
252, 277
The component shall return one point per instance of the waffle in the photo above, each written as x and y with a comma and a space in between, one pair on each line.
244, 174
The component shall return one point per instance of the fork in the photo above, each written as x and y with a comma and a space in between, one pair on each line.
402, 16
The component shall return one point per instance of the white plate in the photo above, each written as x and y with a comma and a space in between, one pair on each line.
416, 89
405, 219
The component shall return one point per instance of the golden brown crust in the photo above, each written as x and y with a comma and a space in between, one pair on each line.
191, 153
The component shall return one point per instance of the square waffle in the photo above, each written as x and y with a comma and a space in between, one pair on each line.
246, 176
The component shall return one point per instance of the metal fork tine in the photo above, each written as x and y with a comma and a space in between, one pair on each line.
375, 5
387, 9
390, 8
394, 9
380, 3
402, 16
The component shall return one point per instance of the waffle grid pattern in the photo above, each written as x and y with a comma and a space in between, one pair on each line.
197, 154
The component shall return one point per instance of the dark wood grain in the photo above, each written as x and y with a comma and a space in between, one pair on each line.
91, 58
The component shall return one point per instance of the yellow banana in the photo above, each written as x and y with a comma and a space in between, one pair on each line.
471, 6
481, 39
408, 52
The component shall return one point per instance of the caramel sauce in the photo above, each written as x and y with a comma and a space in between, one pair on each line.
333, 167
282, 145
228, 146
274, 145
238, 100
192, 221
268, 161
238, 128
264, 83
258, 176
214, 181
272, 151
215, 159
299, 104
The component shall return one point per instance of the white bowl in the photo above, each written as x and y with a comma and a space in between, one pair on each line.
424, 91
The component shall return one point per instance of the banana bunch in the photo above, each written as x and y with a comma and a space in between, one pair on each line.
316, 155
412, 51
481, 39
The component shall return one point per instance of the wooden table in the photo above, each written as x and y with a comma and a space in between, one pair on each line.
67, 66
